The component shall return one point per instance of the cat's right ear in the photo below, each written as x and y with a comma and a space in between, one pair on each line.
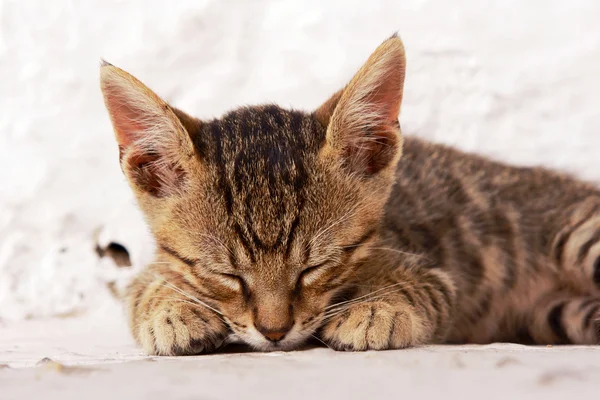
362, 119
154, 144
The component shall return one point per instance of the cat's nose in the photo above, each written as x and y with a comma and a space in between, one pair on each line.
274, 335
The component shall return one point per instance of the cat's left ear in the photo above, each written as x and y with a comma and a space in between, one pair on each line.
362, 119
154, 142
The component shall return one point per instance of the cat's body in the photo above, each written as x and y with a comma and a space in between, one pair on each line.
505, 236
275, 226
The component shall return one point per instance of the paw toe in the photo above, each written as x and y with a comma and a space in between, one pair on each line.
178, 331
371, 326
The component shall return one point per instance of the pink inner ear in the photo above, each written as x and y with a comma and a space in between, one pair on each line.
127, 132
387, 97
126, 120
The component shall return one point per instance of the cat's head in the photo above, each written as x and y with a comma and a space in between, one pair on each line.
266, 211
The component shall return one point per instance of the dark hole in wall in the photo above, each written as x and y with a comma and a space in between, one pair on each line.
117, 252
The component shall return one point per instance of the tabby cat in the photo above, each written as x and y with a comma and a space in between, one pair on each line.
275, 226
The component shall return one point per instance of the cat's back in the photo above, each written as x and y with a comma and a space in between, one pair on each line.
441, 190
491, 226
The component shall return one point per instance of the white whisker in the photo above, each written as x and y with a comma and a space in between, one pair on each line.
316, 337
401, 252
365, 296
189, 296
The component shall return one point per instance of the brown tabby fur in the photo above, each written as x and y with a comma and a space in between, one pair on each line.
275, 225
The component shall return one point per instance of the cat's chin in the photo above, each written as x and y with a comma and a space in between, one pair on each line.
279, 346
295, 341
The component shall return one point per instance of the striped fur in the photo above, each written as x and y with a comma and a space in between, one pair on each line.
274, 226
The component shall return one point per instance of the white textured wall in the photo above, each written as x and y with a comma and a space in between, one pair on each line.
519, 80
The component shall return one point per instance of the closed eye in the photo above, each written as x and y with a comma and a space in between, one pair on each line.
308, 275
235, 282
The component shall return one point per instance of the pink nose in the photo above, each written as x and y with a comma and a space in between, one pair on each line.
274, 335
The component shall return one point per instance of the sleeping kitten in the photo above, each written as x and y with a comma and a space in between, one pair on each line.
276, 225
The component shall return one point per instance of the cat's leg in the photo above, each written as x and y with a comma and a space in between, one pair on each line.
168, 318
411, 307
565, 319
576, 246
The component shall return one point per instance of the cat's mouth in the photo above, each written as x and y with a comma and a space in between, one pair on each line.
293, 339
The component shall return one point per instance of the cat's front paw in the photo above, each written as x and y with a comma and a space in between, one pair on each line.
369, 326
175, 328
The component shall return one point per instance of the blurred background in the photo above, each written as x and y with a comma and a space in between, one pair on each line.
516, 80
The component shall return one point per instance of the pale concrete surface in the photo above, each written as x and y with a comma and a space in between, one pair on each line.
95, 359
